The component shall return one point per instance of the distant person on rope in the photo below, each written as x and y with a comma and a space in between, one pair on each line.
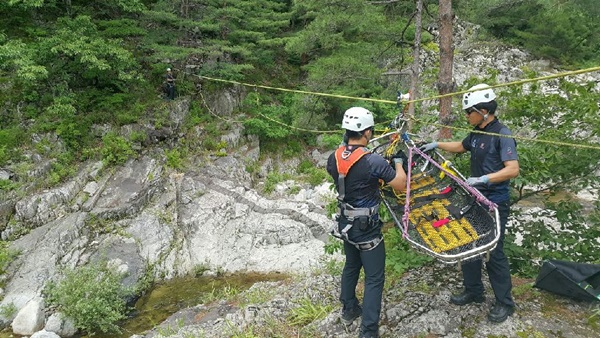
170, 85
356, 173
494, 162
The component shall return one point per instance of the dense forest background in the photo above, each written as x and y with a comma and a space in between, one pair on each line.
68, 66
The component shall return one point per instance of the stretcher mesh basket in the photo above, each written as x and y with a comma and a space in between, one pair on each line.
440, 214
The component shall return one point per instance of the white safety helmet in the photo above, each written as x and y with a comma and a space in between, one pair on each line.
485, 94
357, 119
168, 69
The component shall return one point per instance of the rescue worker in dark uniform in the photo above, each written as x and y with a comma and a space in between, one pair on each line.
356, 173
170, 85
494, 162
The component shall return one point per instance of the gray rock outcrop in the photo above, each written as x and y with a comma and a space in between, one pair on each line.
30, 318
61, 326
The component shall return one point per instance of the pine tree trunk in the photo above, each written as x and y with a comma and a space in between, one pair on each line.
445, 83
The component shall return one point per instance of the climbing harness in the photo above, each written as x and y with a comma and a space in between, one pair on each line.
360, 217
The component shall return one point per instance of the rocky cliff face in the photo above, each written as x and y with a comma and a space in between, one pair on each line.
144, 214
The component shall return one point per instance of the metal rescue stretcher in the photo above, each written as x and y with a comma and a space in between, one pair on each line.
439, 213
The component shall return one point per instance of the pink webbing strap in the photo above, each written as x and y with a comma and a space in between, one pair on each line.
478, 195
407, 204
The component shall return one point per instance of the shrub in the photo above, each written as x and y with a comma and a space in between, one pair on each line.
8, 310
10, 140
333, 245
138, 136
400, 256
61, 169
573, 237
92, 296
6, 256
3, 155
331, 141
305, 166
174, 159
8, 185
116, 149
292, 148
316, 176
273, 179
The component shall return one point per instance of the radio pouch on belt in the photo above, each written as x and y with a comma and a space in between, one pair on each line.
362, 222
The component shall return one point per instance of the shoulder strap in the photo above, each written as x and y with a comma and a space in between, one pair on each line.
344, 160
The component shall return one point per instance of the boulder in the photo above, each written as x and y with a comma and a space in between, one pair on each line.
29, 319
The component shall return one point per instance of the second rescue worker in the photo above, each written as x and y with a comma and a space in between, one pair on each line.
356, 173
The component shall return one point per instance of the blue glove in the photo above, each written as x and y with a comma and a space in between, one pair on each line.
428, 147
472, 181
398, 160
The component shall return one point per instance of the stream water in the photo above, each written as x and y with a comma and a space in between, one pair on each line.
166, 298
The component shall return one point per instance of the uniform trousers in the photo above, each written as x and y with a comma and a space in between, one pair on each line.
497, 267
373, 263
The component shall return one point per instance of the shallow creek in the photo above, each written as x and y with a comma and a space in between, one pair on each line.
166, 298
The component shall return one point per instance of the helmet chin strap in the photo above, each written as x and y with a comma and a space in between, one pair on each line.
485, 116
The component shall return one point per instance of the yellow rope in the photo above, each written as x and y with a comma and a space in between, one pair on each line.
513, 83
301, 129
557, 143
215, 114
295, 90
518, 82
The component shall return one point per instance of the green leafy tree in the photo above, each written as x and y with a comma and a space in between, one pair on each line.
52, 69
77, 47
342, 48
236, 36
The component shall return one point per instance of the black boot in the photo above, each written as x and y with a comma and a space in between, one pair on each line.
349, 316
466, 297
369, 335
500, 312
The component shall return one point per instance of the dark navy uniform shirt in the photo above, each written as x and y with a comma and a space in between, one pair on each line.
362, 185
362, 181
488, 154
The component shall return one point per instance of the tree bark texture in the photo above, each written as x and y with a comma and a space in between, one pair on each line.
445, 82
415, 66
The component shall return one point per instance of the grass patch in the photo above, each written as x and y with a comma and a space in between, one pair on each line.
307, 312
255, 296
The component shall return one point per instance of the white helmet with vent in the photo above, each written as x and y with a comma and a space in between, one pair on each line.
357, 119
484, 94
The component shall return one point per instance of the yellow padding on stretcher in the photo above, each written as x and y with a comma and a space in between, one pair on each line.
446, 237
419, 181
